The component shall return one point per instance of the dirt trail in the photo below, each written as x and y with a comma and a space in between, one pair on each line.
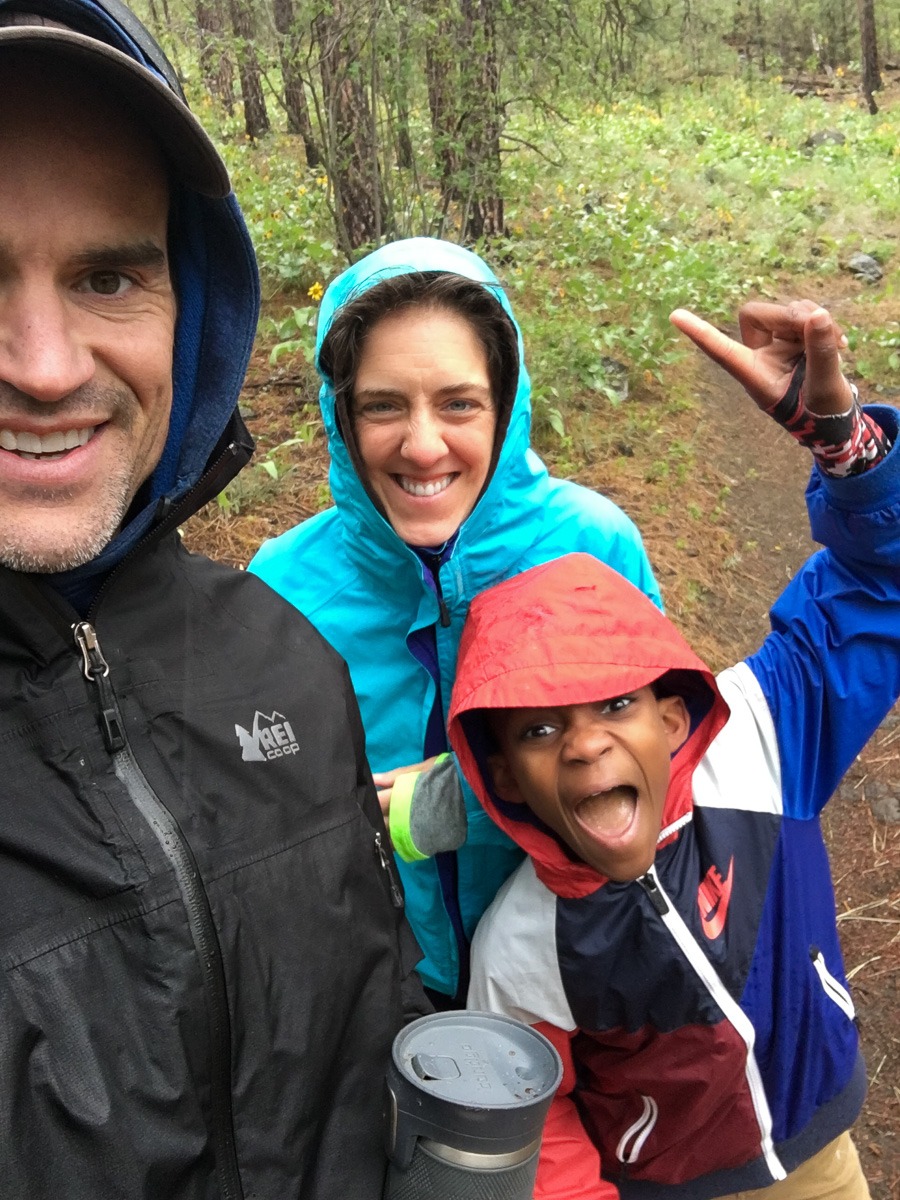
767, 476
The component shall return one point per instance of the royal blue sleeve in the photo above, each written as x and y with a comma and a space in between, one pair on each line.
830, 668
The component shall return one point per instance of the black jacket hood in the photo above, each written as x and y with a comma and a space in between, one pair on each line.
217, 287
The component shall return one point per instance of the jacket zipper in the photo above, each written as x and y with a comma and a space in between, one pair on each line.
434, 561
387, 866
687, 944
196, 903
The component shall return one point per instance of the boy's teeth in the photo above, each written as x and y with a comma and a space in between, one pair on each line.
424, 489
33, 445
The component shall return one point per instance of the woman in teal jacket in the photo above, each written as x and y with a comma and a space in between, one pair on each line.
425, 400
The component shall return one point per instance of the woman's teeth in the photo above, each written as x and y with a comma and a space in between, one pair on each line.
48, 445
424, 489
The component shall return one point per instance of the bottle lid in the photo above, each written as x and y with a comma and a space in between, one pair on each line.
475, 1081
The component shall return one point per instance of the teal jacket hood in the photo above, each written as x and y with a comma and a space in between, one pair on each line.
217, 288
513, 470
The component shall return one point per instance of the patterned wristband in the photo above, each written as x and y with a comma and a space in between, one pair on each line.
842, 443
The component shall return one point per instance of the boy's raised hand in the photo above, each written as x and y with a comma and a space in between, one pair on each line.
773, 339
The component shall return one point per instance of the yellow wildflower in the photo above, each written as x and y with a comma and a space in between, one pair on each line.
316, 292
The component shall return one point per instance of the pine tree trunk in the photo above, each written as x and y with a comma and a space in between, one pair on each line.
871, 75
400, 90
351, 153
482, 123
442, 78
295, 104
216, 66
256, 118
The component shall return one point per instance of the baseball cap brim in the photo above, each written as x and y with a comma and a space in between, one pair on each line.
193, 157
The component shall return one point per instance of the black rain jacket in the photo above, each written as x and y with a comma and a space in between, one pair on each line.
203, 944
203, 949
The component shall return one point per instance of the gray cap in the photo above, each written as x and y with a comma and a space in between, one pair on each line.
193, 157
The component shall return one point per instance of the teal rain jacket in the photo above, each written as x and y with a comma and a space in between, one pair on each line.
367, 592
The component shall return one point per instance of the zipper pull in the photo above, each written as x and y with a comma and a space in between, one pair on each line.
96, 671
387, 866
649, 883
444, 612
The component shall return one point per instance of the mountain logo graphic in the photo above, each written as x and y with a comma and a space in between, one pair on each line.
713, 898
272, 737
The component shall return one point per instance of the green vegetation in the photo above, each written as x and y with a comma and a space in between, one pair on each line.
618, 213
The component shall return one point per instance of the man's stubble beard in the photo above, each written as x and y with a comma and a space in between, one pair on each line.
91, 532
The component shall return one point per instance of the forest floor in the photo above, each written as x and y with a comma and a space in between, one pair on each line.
725, 530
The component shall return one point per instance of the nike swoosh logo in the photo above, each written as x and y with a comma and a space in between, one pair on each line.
713, 898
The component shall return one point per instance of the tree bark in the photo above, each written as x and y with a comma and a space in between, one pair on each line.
483, 215
295, 104
442, 50
400, 91
216, 65
351, 151
871, 75
256, 117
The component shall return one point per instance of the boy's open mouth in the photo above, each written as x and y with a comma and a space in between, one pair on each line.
608, 814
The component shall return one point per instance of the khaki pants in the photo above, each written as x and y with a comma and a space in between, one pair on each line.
832, 1174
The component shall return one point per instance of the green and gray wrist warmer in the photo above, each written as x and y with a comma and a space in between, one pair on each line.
428, 812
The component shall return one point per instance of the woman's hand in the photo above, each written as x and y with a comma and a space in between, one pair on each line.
773, 339
384, 781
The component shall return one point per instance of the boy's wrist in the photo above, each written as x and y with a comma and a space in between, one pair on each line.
843, 444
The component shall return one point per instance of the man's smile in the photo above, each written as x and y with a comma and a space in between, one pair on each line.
44, 446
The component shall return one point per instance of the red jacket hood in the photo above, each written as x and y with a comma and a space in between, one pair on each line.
571, 631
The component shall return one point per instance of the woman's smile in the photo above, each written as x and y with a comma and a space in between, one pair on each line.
419, 487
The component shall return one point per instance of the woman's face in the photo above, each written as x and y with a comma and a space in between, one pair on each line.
424, 419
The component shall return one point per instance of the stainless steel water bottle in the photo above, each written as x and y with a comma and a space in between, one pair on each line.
466, 1098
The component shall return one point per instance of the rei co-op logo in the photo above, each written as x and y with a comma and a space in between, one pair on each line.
272, 737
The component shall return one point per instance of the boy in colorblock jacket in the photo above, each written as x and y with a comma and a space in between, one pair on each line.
673, 929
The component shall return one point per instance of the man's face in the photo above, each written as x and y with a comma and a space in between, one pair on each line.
596, 774
87, 321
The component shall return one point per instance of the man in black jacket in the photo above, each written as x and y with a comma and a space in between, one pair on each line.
204, 952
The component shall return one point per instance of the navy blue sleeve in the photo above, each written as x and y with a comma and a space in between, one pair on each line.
830, 668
